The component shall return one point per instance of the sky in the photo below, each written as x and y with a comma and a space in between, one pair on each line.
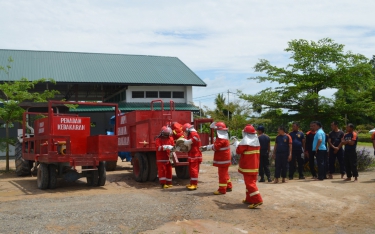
220, 41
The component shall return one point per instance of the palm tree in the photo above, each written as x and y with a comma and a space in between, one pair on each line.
220, 103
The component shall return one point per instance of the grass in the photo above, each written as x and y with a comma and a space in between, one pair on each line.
364, 144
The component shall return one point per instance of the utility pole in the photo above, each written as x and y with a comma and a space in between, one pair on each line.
200, 114
228, 105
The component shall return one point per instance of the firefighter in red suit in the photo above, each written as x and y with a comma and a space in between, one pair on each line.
222, 156
194, 155
177, 130
164, 144
249, 148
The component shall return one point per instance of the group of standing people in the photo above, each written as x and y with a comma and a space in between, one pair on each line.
297, 148
248, 148
290, 149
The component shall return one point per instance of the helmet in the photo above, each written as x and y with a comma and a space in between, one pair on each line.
219, 126
249, 129
166, 131
186, 127
260, 128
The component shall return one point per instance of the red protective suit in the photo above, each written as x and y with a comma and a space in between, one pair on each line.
222, 160
194, 157
249, 166
177, 130
162, 160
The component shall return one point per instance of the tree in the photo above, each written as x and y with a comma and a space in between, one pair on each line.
12, 94
316, 66
239, 114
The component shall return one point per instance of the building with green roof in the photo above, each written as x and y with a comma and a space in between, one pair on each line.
133, 81
106, 77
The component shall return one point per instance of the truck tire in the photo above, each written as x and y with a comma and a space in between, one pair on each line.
110, 165
182, 172
102, 173
42, 176
52, 181
92, 177
140, 167
22, 166
152, 167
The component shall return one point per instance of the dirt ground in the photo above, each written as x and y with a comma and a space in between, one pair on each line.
125, 206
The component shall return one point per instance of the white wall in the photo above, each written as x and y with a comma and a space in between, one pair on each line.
188, 90
11, 152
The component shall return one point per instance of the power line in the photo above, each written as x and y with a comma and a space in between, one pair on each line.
207, 95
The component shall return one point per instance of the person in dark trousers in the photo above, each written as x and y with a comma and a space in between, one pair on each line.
350, 140
282, 153
320, 149
265, 149
334, 140
298, 145
309, 152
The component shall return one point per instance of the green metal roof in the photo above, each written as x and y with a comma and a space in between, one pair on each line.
132, 106
73, 67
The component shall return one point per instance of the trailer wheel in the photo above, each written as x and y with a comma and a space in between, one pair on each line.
92, 177
42, 176
152, 167
140, 167
182, 172
110, 165
102, 173
23, 167
52, 181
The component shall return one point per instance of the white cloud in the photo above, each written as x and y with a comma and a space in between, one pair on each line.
224, 38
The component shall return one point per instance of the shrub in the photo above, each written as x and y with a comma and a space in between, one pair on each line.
364, 159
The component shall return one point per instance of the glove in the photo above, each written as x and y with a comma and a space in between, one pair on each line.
167, 147
188, 142
205, 148
236, 143
209, 147
178, 148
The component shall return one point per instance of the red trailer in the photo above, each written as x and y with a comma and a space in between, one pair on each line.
61, 142
137, 132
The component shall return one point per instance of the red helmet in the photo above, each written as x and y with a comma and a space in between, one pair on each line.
249, 129
186, 127
166, 131
219, 126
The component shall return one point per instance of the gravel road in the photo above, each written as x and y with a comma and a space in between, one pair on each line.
125, 206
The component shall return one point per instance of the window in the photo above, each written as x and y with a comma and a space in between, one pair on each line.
178, 95
165, 94
151, 94
138, 94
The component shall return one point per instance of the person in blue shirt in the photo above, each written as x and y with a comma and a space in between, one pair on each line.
298, 146
319, 146
282, 153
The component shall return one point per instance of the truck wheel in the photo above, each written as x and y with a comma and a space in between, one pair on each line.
42, 176
92, 177
22, 166
140, 167
182, 172
52, 181
102, 173
152, 167
110, 165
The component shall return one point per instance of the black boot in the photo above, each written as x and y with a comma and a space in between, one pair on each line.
262, 180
